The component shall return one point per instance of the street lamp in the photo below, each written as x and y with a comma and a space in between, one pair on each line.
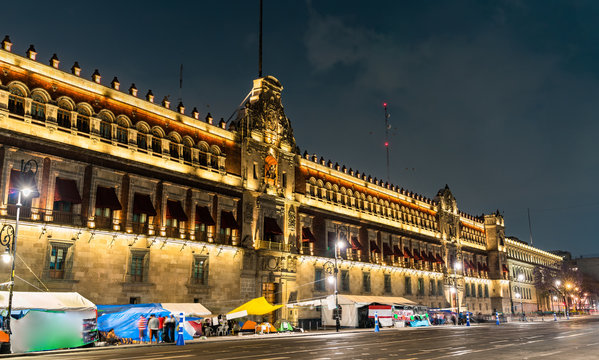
26, 186
558, 283
338, 246
457, 266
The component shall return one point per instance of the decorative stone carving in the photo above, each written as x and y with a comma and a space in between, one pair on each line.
291, 218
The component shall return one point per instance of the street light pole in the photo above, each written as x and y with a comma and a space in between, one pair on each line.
521, 279
337, 321
25, 187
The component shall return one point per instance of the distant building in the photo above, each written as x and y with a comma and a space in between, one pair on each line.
143, 201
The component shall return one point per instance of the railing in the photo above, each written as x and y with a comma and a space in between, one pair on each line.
272, 245
103, 222
26, 211
139, 228
173, 232
63, 217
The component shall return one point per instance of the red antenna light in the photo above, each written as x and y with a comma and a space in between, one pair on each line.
385, 104
386, 143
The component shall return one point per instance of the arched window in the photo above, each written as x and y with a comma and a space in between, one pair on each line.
38, 107
122, 133
106, 129
16, 101
215, 153
63, 115
187, 145
83, 115
203, 154
142, 136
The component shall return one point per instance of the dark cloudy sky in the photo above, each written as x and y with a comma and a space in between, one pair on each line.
498, 99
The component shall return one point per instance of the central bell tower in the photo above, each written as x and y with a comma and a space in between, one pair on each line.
268, 164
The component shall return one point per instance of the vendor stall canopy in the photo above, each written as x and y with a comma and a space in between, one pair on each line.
257, 306
52, 301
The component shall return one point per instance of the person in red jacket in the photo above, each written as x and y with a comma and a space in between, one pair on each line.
160, 328
142, 323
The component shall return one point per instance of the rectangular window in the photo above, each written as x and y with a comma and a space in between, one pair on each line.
318, 280
106, 130
344, 280
58, 255
284, 180
38, 111
467, 290
420, 286
63, 118
199, 271
136, 270
187, 154
82, 124
255, 172
480, 290
486, 291
408, 283
122, 135
157, 145
174, 150
366, 281
440, 287
432, 288
388, 289
472, 290
142, 141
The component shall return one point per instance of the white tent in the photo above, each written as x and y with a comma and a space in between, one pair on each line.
349, 307
49, 320
189, 309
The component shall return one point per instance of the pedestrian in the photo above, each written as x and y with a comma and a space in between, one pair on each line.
170, 329
112, 338
141, 325
161, 329
153, 325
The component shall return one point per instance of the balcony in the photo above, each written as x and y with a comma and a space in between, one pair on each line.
139, 228
66, 218
272, 245
103, 222
26, 211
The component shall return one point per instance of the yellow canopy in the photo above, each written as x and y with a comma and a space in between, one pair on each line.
257, 306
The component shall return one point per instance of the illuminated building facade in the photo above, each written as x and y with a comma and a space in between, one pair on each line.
141, 201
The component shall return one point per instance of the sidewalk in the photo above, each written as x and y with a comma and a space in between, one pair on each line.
266, 337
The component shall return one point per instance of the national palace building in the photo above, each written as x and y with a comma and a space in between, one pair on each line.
143, 201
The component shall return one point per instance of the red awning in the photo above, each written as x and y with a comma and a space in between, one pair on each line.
174, 210
227, 220
142, 204
431, 257
396, 251
271, 226
505, 269
355, 244
424, 255
374, 247
479, 266
472, 265
387, 249
439, 259
66, 190
307, 235
406, 253
203, 216
106, 198
485, 267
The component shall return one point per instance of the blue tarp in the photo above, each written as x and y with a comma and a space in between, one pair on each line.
123, 318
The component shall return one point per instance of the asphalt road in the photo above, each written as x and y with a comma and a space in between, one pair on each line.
574, 339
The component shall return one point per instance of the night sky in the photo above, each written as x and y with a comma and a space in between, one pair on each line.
497, 99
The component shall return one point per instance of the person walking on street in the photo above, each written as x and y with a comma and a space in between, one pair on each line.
141, 325
153, 325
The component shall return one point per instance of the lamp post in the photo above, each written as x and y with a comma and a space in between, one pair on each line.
558, 283
333, 279
26, 187
521, 279
457, 266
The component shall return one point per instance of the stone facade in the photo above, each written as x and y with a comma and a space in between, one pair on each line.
141, 203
